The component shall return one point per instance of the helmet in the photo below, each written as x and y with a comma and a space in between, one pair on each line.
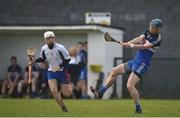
48, 34
156, 23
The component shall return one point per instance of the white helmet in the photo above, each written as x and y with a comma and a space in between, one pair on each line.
48, 34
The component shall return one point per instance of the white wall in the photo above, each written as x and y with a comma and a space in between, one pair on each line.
102, 53
112, 50
16, 43
96, 55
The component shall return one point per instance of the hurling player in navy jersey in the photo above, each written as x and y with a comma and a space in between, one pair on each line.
146, 45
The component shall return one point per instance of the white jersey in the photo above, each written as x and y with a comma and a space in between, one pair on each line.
54, 56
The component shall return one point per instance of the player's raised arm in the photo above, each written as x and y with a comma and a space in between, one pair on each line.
143, 41
137, 40
141, 46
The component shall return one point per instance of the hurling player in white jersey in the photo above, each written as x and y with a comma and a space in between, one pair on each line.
57, 57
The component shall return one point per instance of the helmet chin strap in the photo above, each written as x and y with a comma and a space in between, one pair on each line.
51, 46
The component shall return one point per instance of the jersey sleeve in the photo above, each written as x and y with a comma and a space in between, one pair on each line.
64, 52
42, 56
42, 53
64, 55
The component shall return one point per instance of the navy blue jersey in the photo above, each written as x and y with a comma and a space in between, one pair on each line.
14, 68
83, 58
146, 55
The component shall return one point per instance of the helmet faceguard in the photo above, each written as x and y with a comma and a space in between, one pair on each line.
156, 23
49, 36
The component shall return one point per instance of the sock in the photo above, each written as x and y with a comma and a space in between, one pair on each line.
18, 94
138, 107
33, 94
83, 97
102, 90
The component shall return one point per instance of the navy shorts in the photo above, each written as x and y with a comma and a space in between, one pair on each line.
61, 76
139, 68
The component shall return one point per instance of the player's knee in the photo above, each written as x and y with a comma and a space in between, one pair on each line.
113, 72
129, 86
54, 92
67, 92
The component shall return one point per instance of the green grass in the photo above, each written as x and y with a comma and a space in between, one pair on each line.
92, 108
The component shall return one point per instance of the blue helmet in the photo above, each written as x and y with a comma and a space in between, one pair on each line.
156, 23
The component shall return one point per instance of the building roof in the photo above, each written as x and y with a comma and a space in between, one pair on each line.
82, 28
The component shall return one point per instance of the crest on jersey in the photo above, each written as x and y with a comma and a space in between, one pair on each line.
52, 54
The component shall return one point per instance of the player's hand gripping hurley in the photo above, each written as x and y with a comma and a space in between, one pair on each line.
108, 38
30, 52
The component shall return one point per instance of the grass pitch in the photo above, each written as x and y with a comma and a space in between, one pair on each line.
88, 108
